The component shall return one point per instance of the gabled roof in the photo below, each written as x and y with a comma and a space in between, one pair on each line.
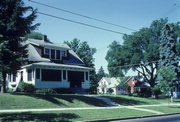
33, 55
48, 44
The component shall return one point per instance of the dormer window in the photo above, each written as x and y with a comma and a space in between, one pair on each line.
55, 54
58, 56
46, 51
63, 53
52, 54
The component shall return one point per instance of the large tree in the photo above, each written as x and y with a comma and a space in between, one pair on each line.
139, 51
169, 60
85, 52
15, 22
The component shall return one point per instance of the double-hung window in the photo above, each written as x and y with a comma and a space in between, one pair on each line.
46, 51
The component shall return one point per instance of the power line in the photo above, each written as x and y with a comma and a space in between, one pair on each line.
92, 26
77, 14
129, 65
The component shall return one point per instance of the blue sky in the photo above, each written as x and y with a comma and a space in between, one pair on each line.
133, 14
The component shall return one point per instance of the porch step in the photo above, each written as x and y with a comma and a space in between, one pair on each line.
78, 90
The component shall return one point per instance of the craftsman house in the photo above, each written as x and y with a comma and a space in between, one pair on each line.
51, 65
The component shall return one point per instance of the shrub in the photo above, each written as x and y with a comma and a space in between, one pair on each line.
9, 90
156, 91
64, 91
25, 87
46, 91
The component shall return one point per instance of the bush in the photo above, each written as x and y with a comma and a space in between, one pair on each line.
25, 87
46, 91
9, 90
64, 91
156, 91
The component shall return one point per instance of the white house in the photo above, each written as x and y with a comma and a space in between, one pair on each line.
51, 65
110, 85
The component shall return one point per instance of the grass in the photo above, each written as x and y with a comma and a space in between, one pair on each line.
165, 109
75, 115
130, 100
20, 101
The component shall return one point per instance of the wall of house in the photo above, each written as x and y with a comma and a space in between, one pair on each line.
86, 83
14, 84
64, 83
176, 93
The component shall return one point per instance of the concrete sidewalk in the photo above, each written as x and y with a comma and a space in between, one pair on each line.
86, 108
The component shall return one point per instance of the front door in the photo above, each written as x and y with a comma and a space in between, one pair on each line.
76, 79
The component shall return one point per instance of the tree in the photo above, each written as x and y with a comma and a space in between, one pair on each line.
85, 52
14, 24
101, 74
167, 80
113, 59
139, 51
35, 35
169, 60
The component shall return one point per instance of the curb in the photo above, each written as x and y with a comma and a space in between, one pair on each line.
129, 118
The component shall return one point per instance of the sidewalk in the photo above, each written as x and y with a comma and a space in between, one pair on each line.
86, 108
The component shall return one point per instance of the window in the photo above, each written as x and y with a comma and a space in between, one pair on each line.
63, 53
57, 54
64, 75
9, 77
46, 51
51, 75
87, 75
52, 54
29, 74
37, 73
14, 77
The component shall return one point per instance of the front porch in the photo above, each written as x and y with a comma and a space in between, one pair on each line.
42, 75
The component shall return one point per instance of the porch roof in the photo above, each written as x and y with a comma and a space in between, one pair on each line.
55, 65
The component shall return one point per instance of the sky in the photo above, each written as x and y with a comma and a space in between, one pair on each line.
134, 14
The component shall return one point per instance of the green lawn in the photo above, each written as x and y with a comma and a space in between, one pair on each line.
130, 100
75, 115
165, 109
17, 101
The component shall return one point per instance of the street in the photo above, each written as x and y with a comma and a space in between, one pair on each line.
168, 118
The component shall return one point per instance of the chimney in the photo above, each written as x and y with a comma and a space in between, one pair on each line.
44, 38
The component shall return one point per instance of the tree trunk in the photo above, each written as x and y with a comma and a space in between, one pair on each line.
171, 96
3, 87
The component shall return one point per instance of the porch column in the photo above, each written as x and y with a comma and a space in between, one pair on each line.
40, 70
88, 76
66, 75
84, 76
62, 74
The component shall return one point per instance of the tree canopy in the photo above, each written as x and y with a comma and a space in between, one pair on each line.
35, 35
100, 74
139, 51
15, 22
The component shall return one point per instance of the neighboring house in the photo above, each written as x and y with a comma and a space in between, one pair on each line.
109, 85
51, 65
176, 92
138, 84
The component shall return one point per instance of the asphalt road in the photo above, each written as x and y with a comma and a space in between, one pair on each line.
167, 118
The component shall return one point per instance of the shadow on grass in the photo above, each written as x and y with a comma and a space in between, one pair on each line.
125, 101
55, 99
49, 117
